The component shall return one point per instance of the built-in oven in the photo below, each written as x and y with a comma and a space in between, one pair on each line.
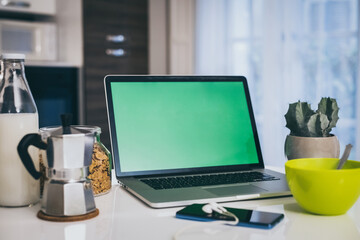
56, 90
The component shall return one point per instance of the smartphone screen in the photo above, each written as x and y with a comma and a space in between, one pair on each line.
248, 218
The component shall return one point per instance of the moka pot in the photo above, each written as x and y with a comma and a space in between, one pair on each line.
67, 191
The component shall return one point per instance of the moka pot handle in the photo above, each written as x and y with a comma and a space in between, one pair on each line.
34, 140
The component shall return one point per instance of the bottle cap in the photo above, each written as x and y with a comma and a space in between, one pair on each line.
12, 56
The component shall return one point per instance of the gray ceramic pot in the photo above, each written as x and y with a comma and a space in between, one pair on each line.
312, 147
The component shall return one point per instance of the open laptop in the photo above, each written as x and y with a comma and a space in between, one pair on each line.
178, 140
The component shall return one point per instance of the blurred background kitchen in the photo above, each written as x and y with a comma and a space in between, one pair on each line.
288, 50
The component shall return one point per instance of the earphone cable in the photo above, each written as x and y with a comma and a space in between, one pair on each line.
226, 222
230, 214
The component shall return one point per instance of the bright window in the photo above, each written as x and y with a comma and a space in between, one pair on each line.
289, 51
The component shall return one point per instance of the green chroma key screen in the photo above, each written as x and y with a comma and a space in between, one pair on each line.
174, 125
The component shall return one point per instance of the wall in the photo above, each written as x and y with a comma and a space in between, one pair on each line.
171, 36
69, 20
158, 28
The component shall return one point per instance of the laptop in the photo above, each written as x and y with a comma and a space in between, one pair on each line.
179, 140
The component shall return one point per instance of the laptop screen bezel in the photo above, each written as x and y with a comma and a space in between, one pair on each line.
151, 78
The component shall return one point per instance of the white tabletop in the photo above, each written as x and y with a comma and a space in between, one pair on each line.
124, 217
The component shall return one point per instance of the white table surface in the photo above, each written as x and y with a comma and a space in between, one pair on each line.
123, 217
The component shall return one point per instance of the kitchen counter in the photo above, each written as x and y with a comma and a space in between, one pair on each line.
122, 216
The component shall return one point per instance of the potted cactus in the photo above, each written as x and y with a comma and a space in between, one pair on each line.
310, 130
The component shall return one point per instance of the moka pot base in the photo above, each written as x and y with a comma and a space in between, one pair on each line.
87, 216
66, 196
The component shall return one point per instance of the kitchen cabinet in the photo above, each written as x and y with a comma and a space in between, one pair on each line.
115, 42
42, 7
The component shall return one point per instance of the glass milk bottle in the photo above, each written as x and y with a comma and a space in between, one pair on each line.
18, 116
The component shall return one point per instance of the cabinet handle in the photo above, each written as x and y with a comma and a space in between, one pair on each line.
115, 38
19, 4
115, 52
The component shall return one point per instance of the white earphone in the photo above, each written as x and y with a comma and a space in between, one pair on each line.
214, 207
210, 207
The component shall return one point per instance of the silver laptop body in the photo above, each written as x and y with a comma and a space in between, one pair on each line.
166, 128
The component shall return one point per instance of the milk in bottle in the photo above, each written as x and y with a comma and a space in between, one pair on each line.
18, 117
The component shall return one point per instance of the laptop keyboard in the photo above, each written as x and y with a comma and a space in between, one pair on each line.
207, 180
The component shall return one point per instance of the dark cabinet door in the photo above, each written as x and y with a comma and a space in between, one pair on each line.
115, 42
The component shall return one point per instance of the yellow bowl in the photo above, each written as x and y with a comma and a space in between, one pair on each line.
321, 189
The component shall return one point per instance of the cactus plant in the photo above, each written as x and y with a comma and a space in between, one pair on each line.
304, 122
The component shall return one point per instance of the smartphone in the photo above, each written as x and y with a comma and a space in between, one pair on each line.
247, 218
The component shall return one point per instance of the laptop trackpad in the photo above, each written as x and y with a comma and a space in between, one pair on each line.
235, 190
